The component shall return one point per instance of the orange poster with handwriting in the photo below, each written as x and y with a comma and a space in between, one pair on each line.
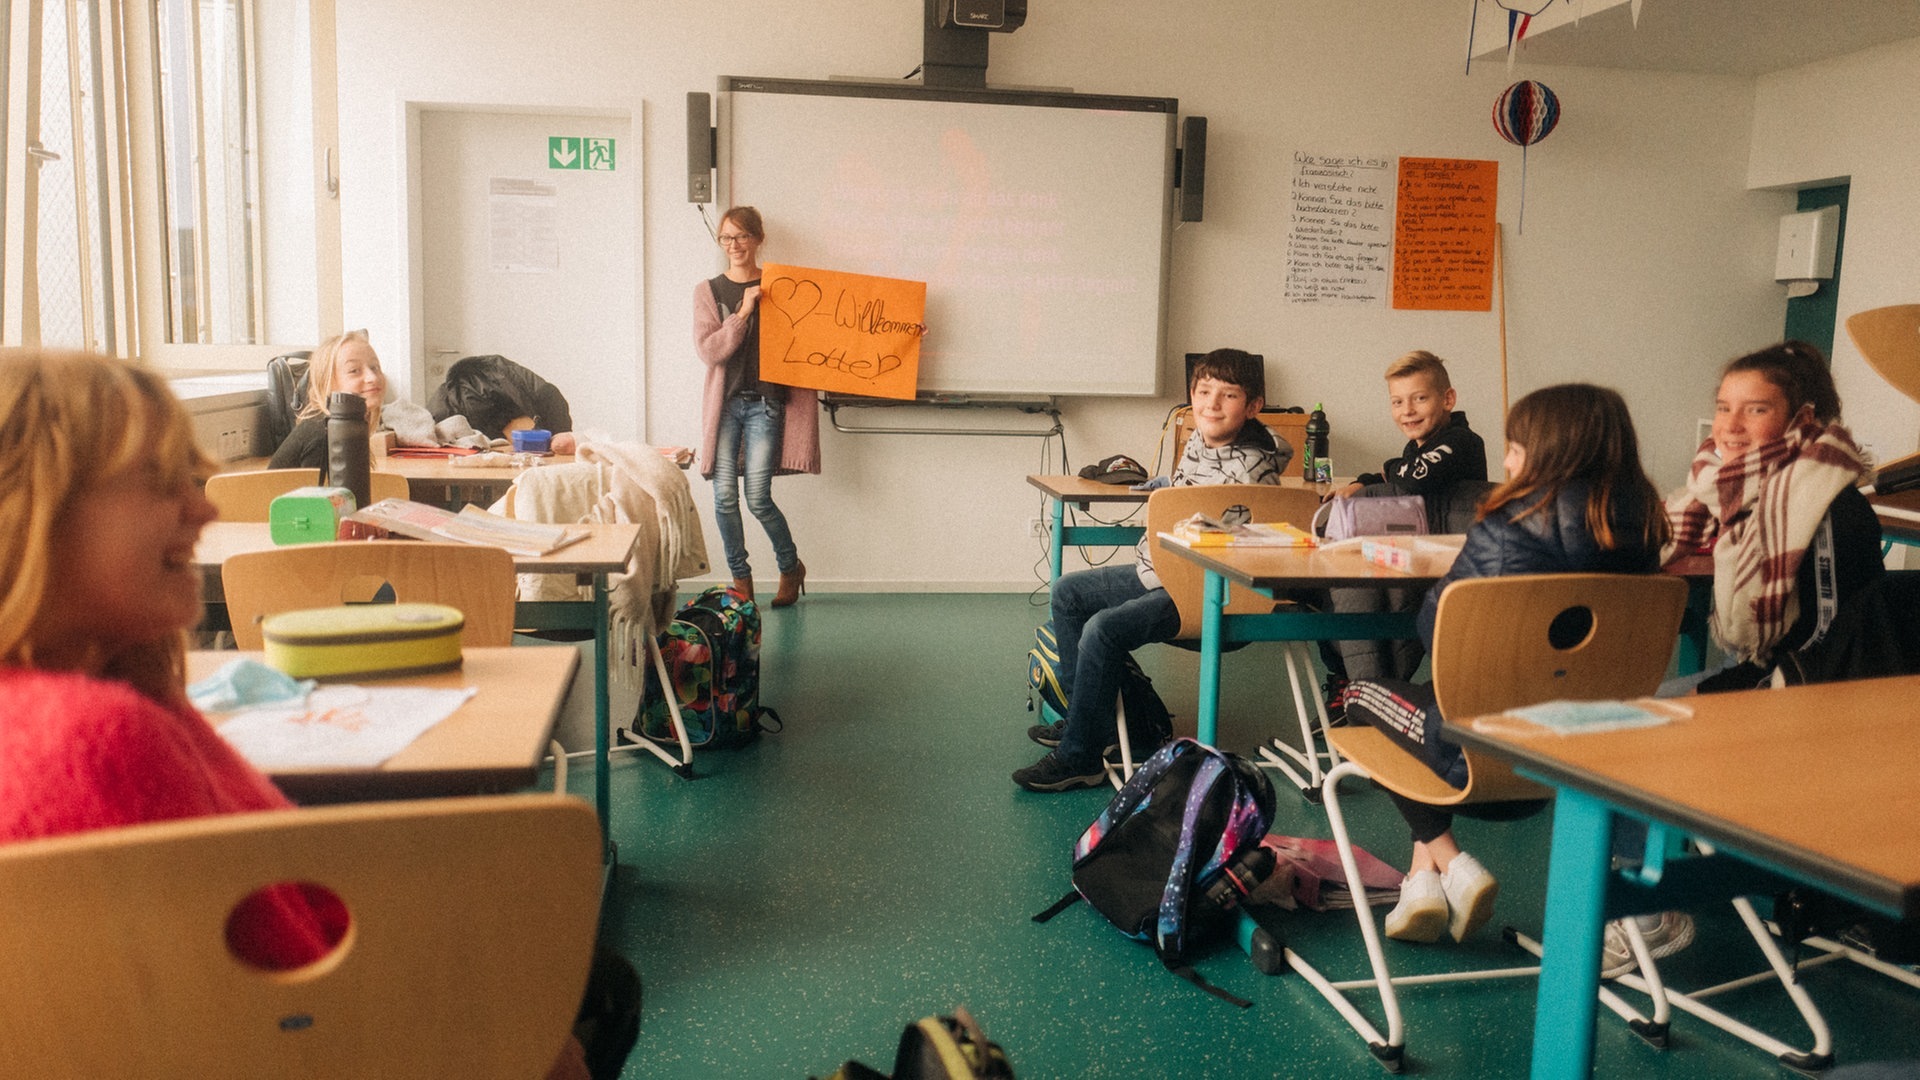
845, 333
1443, 234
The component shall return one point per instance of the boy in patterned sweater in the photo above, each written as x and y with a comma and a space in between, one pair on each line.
1103, 614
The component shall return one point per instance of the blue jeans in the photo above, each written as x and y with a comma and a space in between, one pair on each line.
1099, 616
749, 436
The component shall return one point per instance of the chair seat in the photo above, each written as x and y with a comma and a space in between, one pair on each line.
1404, 774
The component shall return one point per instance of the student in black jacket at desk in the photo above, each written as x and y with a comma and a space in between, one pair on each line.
1445, 463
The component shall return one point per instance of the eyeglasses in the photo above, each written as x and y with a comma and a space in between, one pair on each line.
727, 240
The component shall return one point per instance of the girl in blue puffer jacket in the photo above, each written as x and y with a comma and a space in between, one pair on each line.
1575, 501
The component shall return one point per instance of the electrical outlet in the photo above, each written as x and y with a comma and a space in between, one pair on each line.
1037, 527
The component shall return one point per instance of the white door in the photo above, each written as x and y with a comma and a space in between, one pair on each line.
529, 248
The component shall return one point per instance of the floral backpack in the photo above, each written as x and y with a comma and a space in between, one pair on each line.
712, 652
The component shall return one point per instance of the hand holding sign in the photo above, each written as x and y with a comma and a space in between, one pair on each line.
850, 333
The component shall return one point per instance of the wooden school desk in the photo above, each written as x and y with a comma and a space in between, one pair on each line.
492, 743
1061, 490
606, 550
1276, 571
1812, 784
1899, 516
439, 481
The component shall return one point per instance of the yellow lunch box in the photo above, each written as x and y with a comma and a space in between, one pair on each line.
364, 640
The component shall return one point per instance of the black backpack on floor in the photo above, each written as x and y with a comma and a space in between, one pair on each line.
1176, 851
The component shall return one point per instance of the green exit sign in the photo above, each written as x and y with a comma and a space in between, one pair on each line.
577, 152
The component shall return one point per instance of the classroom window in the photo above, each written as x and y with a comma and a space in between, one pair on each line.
210, 181
57, 280
115, 113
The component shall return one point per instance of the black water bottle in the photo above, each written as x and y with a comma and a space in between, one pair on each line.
1318, 466
347, 450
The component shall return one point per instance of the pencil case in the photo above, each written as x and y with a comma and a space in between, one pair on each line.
364, 640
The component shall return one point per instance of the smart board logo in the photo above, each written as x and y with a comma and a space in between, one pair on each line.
574, 152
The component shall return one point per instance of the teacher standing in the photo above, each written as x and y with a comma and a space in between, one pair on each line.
750, 430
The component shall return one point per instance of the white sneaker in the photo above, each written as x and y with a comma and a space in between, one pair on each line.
1470, 894
1421, 913
1672, 933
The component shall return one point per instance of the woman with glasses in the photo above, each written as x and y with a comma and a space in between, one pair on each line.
750, 429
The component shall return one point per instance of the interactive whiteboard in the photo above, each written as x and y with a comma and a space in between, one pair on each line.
1040, 221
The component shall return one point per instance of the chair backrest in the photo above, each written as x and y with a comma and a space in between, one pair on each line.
246, 496
474, 578
387, 485
287, 383
472, 928
1889, 339
1268, 503
1505, 642
1289, 426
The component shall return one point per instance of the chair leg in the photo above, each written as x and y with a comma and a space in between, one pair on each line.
1388, 1048
1817, 1057
1302, 765
1119, 774
684, 764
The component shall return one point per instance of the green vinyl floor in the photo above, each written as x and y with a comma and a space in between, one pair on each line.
802, 900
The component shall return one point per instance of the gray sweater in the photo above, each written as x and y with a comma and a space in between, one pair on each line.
1254, 457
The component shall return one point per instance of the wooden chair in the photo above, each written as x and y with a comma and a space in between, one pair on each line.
1184, 581
1889, 339
1289, 426
245, 496
476, 579
471, 933
1499, 644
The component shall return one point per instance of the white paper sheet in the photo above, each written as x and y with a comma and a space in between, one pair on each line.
341, 726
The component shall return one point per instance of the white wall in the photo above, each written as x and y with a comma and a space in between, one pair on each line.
1646, 261
1853, 118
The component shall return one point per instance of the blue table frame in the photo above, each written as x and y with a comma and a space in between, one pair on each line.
1061, 490
1753, 773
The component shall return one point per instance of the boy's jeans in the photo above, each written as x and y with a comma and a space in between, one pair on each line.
1099, 616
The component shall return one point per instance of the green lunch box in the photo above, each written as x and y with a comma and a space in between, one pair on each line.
364, 640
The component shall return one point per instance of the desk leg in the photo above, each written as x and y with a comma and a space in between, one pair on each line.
1564, 1009
1059, 537
602, 798
1212, 622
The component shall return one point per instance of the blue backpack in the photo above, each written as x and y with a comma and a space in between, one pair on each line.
1175, 851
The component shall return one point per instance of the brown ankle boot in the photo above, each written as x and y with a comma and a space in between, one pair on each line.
792, 584
743, 586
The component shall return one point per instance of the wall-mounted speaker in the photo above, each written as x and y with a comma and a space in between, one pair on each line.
699, 147
1192, 178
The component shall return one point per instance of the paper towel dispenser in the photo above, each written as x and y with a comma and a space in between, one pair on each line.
1808, 241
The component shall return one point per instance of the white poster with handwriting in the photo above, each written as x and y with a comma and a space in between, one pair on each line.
1339, 228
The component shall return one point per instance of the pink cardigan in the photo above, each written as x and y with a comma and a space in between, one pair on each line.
79, 753
715, 339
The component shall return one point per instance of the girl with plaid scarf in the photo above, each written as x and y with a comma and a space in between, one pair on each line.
1773, 495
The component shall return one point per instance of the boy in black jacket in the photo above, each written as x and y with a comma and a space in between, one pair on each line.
1444, 461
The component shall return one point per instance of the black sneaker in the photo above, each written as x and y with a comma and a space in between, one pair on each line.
1334, 693
1048, 735
1052, 774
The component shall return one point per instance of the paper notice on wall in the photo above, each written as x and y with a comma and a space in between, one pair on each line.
1443, 234
520, 221
1339, 228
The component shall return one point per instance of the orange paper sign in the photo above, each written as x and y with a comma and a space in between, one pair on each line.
846, 333
1443, 234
